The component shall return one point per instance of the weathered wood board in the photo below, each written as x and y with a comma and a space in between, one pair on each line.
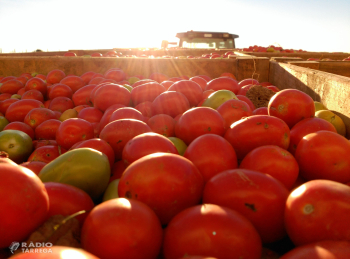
133, 66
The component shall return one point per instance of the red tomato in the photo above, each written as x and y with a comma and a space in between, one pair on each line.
234, 110
244, 89
23, 79
159, 77
46, 154
87, 76
255, 131
205, 77
67, 199
44, 142
292, 106
162, 124
61, 104
6, 78
5, 97
107, 114
171, 103
143, 81
99, 145
118, 133
328, 249
324, 155
199, 80
251, 194
47, 129
273, 88
26, 205
261, 111
57, 252
33, 94
248, 81
211, 154
115, 74
72, 131
197, 122
109, 230
11, 86
55, 76
110, 94
18, 125
318, 210
110, 81
167, 183
37, 116
146, 92
145, 108
90, 114
96, 80
190, 89
174, 79
70, 54
74, 82
60, 90
82, 96
96, 55
274, 161
146, 144
41, 76
305, 127
246, 100
4, 104
21, 91
264, 84
80, 107
36, 83
93, 91
126, 113
211, 230
35, 166
206, 93
223, 83
18, 110
47, 103
166, 84
117, 170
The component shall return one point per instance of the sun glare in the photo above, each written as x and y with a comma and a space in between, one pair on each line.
124, 202
298, 191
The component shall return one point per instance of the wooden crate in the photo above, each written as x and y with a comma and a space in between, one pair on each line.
241, 67
330, 89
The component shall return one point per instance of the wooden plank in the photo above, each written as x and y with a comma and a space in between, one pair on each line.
307, 64
78, 65
252, 67
286, 59
241, 54
34, 54
336, 67
331, 90
303, 55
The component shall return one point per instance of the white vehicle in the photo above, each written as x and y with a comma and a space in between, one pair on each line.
204, 40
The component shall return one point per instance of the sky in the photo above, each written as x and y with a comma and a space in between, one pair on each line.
52, 25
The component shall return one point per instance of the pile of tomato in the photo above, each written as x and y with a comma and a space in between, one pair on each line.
171, 167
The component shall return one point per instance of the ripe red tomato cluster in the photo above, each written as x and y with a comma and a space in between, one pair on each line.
222, 180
